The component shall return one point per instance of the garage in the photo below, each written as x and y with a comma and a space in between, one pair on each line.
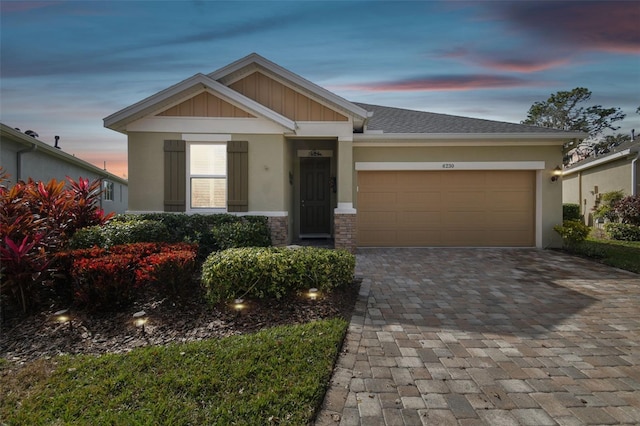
456, 208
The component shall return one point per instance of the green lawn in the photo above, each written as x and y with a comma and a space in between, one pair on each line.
275, 376
620, 254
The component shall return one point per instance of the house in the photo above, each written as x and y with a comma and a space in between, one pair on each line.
584, 182
22, 156
254, 138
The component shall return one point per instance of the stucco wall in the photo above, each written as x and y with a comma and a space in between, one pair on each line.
551, 192
267, 171
41, 166
580, 187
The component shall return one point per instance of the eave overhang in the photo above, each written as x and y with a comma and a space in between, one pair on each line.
193, 85
603, 160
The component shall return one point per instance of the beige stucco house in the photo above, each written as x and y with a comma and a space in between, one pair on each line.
23, 157
255, 138
584, 182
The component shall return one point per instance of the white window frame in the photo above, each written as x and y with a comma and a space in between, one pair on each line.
108, 189
189, 208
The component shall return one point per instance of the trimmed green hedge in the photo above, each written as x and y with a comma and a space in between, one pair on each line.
623, 231
571, 212
572, 231
211, 232
274, 272
120, 232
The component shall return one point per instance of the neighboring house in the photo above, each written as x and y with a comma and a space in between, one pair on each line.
583, 183
23, 156
254, 138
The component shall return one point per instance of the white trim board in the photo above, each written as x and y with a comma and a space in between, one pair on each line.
450, 165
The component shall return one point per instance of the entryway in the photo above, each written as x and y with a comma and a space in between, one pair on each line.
315, 197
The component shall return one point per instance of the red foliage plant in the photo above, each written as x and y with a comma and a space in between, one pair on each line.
36, 221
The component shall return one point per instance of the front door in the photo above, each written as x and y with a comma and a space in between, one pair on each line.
315, 202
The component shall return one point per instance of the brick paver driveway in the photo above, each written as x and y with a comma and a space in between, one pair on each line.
488, 336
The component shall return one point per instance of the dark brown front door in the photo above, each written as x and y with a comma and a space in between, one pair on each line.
314, 196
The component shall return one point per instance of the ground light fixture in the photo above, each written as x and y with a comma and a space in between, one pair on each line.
239, 305
63, 316
140, 319
313, 293
557, 172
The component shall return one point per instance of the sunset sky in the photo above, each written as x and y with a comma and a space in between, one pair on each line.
65, 65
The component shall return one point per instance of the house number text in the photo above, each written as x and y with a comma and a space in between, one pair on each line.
448, 165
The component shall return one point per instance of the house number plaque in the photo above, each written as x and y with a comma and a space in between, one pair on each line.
448, 166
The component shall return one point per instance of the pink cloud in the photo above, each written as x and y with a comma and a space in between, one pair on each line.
24, 6
442, 83
522, 65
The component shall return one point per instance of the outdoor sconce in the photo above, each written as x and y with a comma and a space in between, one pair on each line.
313, 293
140, 319
557, 172
63, 316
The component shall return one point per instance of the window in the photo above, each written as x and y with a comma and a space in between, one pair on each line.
207, 175
107, 190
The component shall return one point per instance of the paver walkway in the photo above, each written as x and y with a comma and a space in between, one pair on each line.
488, 337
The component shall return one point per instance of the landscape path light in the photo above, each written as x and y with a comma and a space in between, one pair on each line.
63, 316
140, 319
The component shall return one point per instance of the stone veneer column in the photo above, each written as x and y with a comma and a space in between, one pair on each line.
279, 226
344, 224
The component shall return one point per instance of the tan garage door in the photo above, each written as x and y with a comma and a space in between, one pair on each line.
446, 208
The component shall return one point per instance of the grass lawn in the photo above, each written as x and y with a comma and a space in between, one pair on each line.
620, 254
274, 376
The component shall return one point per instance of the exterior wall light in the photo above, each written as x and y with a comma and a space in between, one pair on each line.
557, 172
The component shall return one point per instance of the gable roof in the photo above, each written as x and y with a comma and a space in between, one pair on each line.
254, 61
620, 151
26, 140
390, 120
119, 120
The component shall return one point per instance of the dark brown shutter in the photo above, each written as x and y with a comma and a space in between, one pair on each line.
237, 176
175, 175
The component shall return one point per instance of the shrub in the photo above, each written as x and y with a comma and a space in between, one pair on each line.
36, 221
572, 231
571, 212
622, 231
241, 234
628, 209
274, 272
120, 232
606, 208
106, 279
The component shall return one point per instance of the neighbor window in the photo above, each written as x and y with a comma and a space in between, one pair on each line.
107, 190
207, 176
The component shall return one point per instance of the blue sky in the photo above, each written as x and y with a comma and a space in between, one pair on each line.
65, 65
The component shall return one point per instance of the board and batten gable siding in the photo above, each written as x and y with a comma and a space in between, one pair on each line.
237, 176
284, 100
205, 105
175, 175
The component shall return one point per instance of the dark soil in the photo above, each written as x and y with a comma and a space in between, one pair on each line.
170, 320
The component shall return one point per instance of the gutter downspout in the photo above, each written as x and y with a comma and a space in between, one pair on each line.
19, 160
634, 175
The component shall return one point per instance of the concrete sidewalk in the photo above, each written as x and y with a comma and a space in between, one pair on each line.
488, 337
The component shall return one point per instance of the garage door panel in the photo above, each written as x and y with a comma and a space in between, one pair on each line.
419, 220
446, 208
423, 201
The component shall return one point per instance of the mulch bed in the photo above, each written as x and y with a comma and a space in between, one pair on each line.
178, 319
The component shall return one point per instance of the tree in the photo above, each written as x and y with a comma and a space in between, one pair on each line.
563, 111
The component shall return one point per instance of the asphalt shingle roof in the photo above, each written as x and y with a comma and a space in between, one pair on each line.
622, 147
398, 120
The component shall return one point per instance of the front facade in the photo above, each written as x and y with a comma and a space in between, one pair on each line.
585, 182
24, 157
256, 139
